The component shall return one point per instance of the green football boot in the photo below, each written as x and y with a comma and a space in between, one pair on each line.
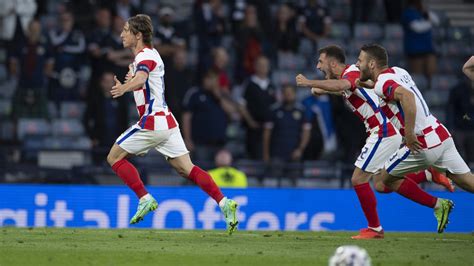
442, 214
229, 210
144, 207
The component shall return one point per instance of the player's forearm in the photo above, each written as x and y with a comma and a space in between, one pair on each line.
407, 100
330, 85
136, 82
267, 132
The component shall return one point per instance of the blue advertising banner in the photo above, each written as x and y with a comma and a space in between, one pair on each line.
190, 208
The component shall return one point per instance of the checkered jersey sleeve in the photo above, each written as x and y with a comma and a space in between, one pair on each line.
145, 63
385, 87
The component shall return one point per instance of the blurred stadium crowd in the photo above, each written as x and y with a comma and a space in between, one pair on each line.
229, 74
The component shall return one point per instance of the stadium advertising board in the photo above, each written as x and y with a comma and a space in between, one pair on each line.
190, 208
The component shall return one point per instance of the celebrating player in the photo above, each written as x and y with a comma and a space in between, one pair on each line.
383, 138
157, 127
427, 141
468, 68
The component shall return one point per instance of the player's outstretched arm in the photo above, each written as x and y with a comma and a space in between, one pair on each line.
468, 68
327, 85
319, 92
135, 83
407, 100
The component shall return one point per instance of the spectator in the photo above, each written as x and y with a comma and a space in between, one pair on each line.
286, 133
69, 46
461, 117
124, 9
318, 112
285, 34
257, 98
315, 21
224, 174
95, 40
418, 38
361, 10
249, 44
205, 117
219, 66
210, 26
167, 38
262, 12
105, 118
179, 78
12, 12
117, 57
31, 62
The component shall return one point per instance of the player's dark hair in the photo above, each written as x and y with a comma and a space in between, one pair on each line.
376, 52
335, 52
142, 23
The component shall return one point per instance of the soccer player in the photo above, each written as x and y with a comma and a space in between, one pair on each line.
468, 68
427, 141
157, 127
383, 138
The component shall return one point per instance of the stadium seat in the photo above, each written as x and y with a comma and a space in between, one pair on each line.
70, 127
291, 61
282, 77
7, 130
32, 127
443, 82
67, 143
456, 48
458, 34
450, 65
340, 31
5, 107
367, 32
354, 47
72, 110
420, 81
52, 110
306, 47
330, 41
393, 32
436, 98
394, 47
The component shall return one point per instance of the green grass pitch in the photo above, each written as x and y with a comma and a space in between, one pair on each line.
51, 246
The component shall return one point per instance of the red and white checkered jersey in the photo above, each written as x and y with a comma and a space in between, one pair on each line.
429, 130
365, 105
150, 99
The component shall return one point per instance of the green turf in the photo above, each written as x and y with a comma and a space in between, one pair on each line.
49, 246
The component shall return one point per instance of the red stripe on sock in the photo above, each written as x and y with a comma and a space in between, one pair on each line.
417, 177
206, 183
368, 202
130, 176
409, 189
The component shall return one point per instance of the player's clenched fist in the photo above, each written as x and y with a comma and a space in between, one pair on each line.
301, 80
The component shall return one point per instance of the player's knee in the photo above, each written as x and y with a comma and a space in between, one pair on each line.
379, 186
358, 179
111, 159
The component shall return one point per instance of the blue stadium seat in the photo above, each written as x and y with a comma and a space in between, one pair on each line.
70, 127
368, 32
52, 110
340, 31
72, 110
5, 107
450, 65
458, 34
393, 32
291, 61
330, 41
394, 47
439, 34
281, 77
32, 127
456, 48
436, 98
420, 81
306, 47
443, 82
67, 143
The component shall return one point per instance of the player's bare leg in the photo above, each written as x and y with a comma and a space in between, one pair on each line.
130, 176
464, 181
409, 189
428, 175
360, 181
184, 166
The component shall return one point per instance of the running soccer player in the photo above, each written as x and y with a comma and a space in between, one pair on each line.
427, 141
383, 138
157, 127
468, 68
